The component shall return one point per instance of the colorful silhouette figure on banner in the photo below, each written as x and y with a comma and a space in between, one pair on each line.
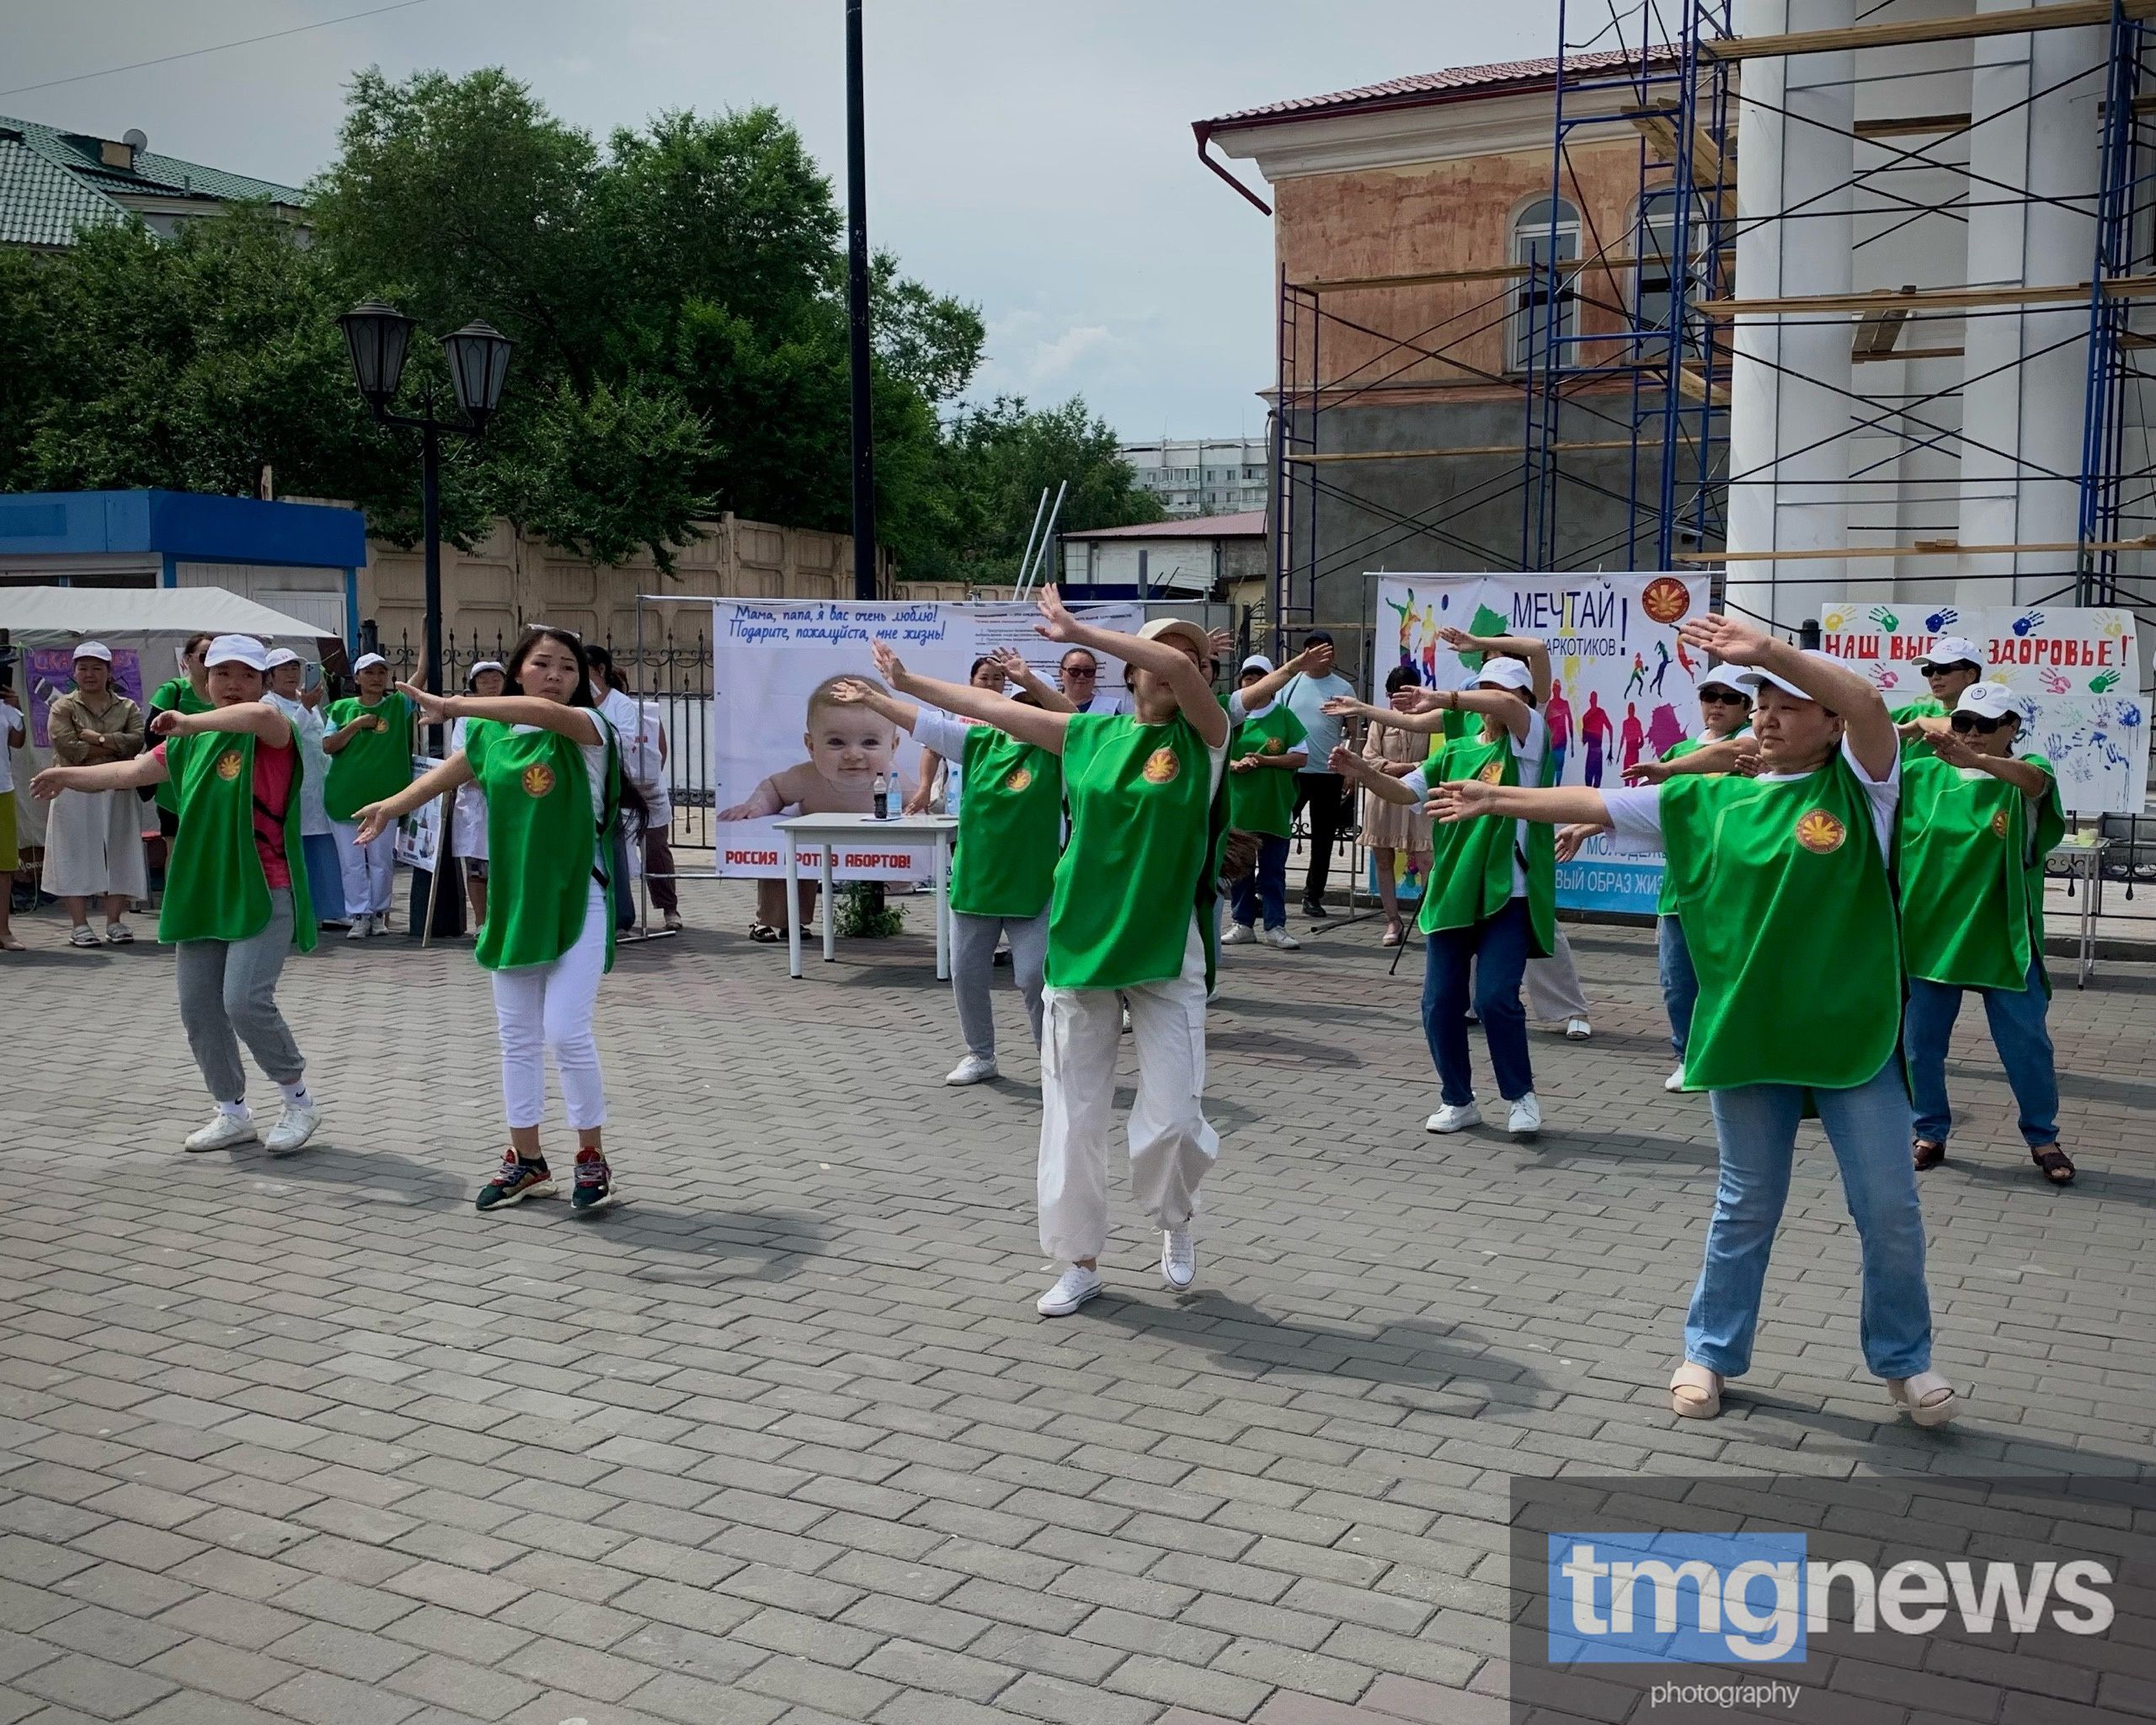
1662, 670
1559, 719
1665, 731
1632, 734
1595, 732
1638, 680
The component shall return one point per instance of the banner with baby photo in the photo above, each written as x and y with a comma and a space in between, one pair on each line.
1621, 682
780, 748
2074, 672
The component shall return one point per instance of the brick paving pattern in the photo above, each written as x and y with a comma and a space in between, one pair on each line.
781, 1439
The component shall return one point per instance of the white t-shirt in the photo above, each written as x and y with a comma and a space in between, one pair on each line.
944, 734
11, 720
1528, 751
1636, 811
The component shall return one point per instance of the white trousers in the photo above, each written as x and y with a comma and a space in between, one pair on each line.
94, 846
369, 870
1171, 1145
540, 1009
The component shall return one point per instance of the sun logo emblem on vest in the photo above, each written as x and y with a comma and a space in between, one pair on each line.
1018, 779
1820, 832
1492, 773
1276, 745
1998, 824
1162, 766
228, 764
538, 779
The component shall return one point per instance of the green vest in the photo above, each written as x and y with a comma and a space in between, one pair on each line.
1925, 709
1263, 800
1665, 904
174, 695
1143, 856
214, 888
1471, 878
1789, 916
1009, 826
1972, 875
542, 842
375, 763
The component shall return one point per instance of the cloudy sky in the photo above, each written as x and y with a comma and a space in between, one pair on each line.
1031, 156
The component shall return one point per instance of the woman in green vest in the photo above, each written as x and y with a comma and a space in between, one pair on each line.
1492, 900
236, 871
1132, 910
547, 762
1265, 752
1789, 914
1725, 716
1976, 824
368, 741
1008, 796
1953, 664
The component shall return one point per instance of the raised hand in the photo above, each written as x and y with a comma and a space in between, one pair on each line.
1950, 748
1732, 642
1056, 623
846, 692
1456, 639
887, 663
433, 708
1342, 707
1221, 640
1010, 661
1461, 799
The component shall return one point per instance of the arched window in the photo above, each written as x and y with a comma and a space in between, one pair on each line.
1655, 243
1546, 237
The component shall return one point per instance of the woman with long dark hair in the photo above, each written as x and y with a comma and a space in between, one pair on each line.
547, 762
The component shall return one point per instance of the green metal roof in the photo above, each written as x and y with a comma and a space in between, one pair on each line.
52, 182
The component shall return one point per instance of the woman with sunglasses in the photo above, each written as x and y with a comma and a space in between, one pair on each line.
1782, 881
1725, 714
1954, 663
1976, 824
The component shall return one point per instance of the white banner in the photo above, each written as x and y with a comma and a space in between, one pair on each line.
779, 749
1621, 689
418, 834
2074, 673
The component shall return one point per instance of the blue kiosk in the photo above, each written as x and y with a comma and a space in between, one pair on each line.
301, 559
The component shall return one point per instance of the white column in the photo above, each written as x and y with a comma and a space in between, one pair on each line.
1790, 407
2023, 401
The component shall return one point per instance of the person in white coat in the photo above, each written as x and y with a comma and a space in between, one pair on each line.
467, 811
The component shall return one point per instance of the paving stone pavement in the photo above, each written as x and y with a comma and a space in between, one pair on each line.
781, 1439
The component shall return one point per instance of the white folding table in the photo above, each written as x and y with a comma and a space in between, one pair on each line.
862, 832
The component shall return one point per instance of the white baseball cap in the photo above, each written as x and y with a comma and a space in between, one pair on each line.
237, 649
1753, 679
1259, 662
486, 664
1988, 700
367, 659
1952, 649
279, 656
1502, 674
92, 649
1721, 676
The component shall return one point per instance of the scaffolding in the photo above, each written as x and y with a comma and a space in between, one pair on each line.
1630, 336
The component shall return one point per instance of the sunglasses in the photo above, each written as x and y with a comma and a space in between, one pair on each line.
1081, 670
1966, 722
1721, 697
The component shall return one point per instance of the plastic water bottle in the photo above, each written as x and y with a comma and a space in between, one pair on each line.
883, 798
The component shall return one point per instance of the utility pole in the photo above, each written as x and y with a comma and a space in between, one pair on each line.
856, 222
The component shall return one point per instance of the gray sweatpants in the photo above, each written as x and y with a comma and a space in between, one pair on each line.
973, 972
228, 986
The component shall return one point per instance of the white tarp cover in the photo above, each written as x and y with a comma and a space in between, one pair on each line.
41, 616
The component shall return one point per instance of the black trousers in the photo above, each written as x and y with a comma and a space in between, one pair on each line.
1325, 794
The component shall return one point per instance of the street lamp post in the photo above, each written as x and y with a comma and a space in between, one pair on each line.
379, 337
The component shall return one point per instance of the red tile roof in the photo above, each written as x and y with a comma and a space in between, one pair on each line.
1449, 85
1244, 524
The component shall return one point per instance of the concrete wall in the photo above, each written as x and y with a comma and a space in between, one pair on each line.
511, 579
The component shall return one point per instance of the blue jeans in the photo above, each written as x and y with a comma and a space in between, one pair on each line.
1267, 887
1869, 1127
1680, 983
1493, 954
2018, 1030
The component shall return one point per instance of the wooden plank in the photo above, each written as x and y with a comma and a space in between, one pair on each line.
1486, 449
1494, 272
1909, 353
1923, 548
1912, 125
1692, 381
1931, 299
1899, 33
1876, 332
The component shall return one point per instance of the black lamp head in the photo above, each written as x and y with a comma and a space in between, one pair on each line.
478, 367
378, 336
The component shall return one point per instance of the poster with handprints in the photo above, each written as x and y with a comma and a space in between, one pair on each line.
2074, 673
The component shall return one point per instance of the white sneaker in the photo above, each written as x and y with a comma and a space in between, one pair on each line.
1578, 1029
1072, 1290
1675, 1081
1179, 1258
359, 930
972, 1069
1239, 934
1281, 938
378, 923
222, 1133
294, 1127
1526, 1117
1453, 1117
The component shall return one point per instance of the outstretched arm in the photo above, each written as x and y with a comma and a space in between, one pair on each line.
1028, 724
1345, 761
1193, 688
1872, 737
132, 774
377, 817
580, 724
256, 718
1558, 805
855, 692
1730, 755
2025, 776
1528, 648
1273, 681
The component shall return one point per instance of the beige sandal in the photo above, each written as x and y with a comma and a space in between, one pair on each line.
1929, 1398
1694, 1392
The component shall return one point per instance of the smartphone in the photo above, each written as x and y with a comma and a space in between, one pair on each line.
311, 676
